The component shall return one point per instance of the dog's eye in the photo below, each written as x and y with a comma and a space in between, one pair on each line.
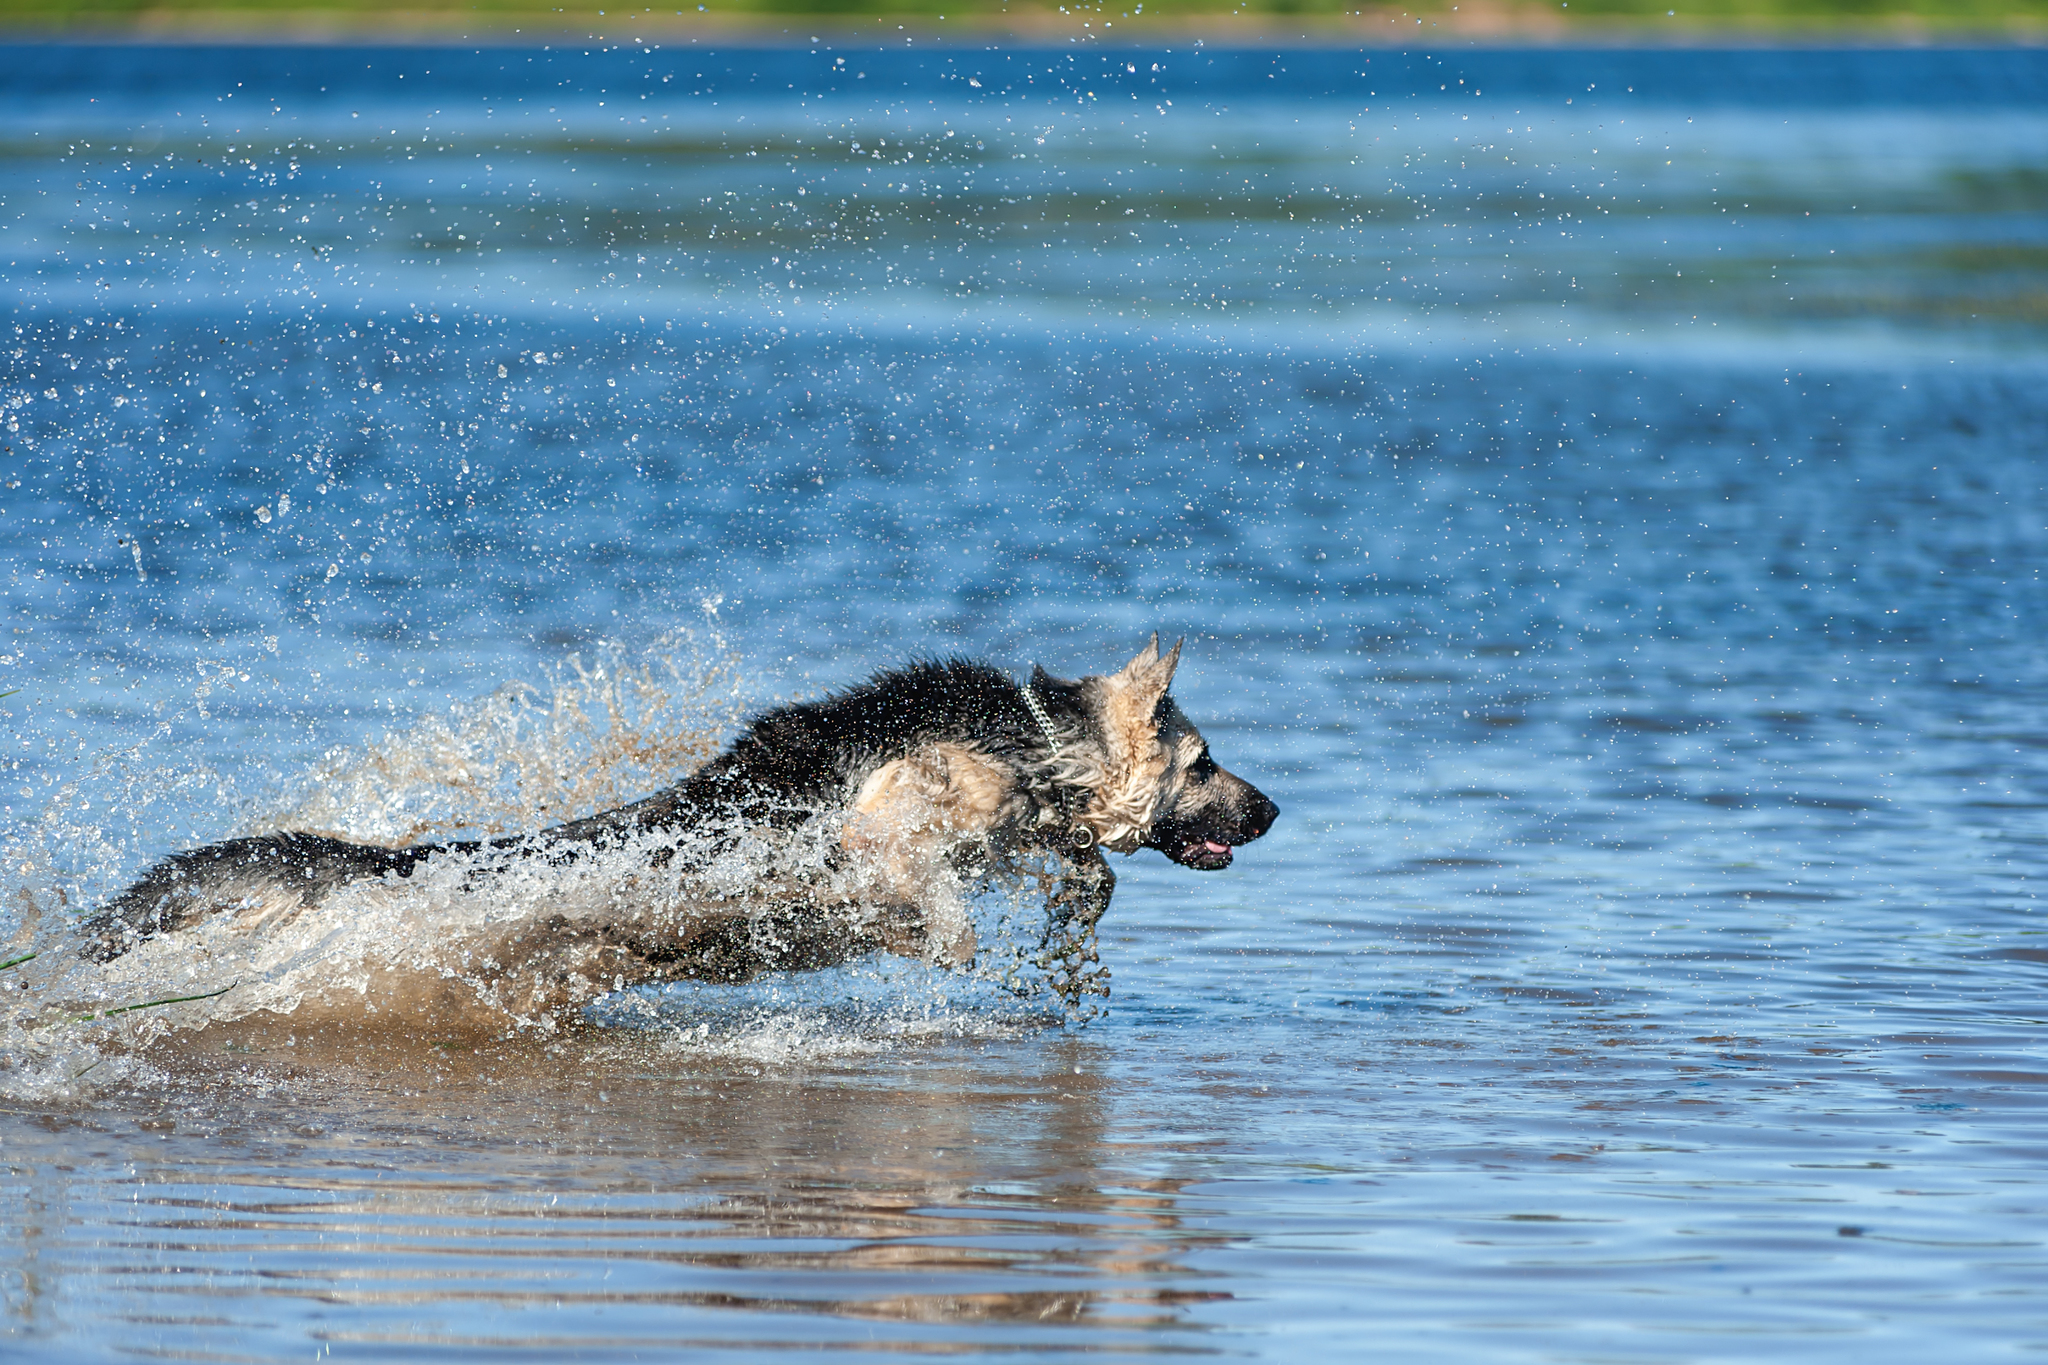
1202, 769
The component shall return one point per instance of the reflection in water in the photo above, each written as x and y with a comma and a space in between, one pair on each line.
368, 1171
1144, 1190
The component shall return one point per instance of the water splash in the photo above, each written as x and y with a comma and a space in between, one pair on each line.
492, 941
594, 735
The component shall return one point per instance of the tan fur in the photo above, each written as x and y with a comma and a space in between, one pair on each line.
269, 906
908, 816
1126, 790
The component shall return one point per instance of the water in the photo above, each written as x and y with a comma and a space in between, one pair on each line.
1604, 509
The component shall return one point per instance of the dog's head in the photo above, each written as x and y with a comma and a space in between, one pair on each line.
1151, 781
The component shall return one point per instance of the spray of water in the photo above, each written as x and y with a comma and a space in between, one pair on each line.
596, 733
517, 938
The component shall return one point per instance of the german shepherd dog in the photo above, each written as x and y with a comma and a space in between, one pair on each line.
880, 807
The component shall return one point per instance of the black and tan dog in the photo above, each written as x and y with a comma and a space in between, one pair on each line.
862, 820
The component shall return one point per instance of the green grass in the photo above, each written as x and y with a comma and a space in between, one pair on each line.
1846, 17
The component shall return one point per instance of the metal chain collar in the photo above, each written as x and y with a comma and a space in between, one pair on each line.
1038, 714
1078, 833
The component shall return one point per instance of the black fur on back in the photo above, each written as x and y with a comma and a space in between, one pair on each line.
796, 759
806, 752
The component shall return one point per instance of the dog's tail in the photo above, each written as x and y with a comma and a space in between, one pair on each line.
185, 887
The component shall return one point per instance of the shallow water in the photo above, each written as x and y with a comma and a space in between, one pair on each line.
1623, 592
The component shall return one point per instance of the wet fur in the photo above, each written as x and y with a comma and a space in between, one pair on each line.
916, 785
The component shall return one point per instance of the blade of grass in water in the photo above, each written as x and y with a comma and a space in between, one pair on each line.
152, 1004
16, 962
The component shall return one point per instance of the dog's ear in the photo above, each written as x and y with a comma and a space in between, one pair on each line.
1170, 663
1129, 718
1148, 675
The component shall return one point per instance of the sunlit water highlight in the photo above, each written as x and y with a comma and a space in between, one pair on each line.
1614, 543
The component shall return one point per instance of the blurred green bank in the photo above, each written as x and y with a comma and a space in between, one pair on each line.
1679, 21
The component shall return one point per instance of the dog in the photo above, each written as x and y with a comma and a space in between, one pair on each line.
856, 822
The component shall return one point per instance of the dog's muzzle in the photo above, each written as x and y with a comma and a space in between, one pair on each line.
1205, 855
1209, 845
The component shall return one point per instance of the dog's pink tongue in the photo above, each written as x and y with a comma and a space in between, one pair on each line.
1212, 846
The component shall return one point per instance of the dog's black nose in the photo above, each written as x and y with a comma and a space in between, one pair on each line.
1260, 814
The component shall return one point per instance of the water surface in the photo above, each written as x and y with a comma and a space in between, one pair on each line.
1603, 502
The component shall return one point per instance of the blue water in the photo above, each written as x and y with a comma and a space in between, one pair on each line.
1603, 501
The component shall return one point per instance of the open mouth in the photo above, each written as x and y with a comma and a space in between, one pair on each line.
1205, 855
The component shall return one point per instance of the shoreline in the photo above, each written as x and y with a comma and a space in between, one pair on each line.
1385, 30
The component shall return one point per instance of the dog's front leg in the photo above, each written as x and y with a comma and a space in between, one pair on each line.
1068, 954
1082, 893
